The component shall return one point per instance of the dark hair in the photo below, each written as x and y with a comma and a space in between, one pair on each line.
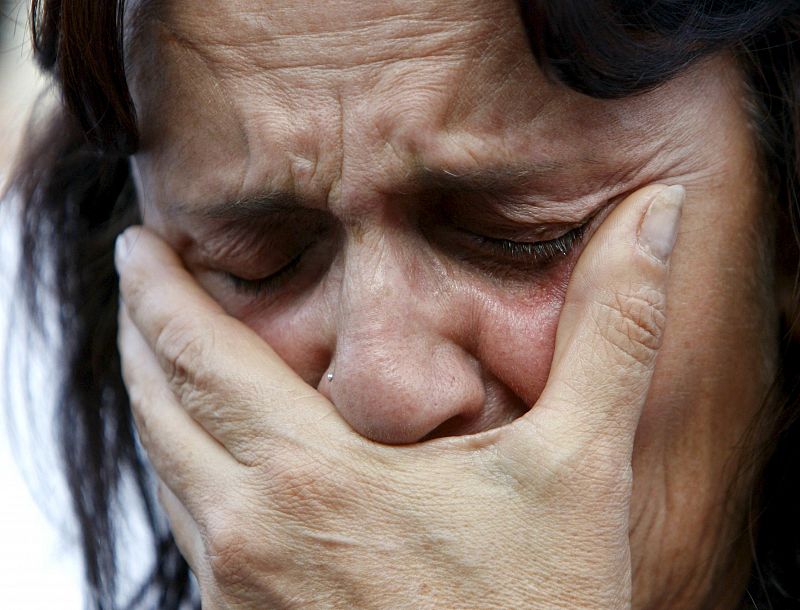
75, 188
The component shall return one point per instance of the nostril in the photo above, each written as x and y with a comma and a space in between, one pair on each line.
500, 409
458, 425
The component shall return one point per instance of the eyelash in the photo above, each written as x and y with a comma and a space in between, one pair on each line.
267, 284
537, 253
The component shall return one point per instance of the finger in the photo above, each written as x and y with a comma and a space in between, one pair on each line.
222, 373
183, 454
183, 527
612, 326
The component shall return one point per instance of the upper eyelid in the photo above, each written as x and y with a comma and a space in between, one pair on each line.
522, 236
526, 209
226, 240
494, 222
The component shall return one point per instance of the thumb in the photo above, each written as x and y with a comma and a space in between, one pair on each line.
611, 326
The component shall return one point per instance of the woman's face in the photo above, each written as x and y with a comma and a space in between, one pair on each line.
402, 195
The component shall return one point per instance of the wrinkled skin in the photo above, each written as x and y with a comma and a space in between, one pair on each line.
401, 130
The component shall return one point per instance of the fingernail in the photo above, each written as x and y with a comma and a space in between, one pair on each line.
122, 246
659, 229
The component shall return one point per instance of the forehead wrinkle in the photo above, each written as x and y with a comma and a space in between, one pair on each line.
280, 43
188, 72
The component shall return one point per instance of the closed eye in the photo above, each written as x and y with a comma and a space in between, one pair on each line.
537, 252
268, 284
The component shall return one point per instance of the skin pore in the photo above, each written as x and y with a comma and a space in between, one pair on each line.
388, 165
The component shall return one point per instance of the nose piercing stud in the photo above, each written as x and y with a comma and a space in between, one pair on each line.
330, 377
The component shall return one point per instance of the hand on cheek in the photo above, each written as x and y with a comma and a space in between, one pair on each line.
276, 502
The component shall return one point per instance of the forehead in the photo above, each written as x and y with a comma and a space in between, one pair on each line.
324, 47
230, 92
326, 34
334, 34
306, 56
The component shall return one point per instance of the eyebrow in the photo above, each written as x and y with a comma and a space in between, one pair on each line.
275, 202
285, 203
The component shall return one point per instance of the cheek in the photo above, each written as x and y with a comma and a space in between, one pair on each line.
516, 339
302, 334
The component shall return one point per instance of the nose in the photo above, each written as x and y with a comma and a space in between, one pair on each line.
399, 373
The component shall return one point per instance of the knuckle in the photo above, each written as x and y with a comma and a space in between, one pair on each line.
633, 323
183, 350
234, 527
230, 553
